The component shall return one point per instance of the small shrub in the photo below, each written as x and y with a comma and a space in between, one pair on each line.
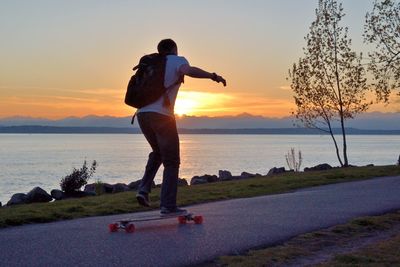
293, 163
98, 187
78, 178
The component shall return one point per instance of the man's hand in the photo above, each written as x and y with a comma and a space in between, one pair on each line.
219, 79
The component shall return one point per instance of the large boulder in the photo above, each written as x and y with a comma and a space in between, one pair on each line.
276, 170
78, 194
90, 188
107, 188
120, 187
17, 199
57, 194
135, 185
245, 175
198, 180
102, 187
319, 167
224, 175
203, 179
182, 182
37, 194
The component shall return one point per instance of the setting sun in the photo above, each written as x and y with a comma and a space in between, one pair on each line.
199, 103
185, 106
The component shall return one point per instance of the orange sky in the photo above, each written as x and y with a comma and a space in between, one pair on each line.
72, 58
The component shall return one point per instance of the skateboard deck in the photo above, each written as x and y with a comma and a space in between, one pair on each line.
129, 226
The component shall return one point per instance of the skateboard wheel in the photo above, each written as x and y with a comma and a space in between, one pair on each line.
130, 228
182, 219
113, 227
198, 219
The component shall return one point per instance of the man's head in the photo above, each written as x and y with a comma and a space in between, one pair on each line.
167, 47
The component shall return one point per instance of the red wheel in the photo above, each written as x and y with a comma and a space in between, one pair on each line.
130, 228
198, 219
113, 227
182, 219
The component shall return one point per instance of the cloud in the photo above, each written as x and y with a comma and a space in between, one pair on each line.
285, 88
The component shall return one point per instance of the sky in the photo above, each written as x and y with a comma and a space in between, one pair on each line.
74, 58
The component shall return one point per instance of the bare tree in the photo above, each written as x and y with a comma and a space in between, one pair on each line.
382, 28
329, 81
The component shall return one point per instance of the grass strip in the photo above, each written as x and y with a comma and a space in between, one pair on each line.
126, 202
385, 253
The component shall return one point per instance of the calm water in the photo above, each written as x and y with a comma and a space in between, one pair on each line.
42, 160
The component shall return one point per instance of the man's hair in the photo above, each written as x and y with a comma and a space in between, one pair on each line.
166, 46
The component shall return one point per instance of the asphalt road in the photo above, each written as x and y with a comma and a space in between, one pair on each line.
229, 227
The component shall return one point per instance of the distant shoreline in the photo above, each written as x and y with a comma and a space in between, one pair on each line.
114, 130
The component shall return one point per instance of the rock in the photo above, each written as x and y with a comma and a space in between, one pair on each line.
182, 182
224, 175
17, 199
118, 188
198, 180
78, 194
134, 185
37, 194
203, 179
245, 175
211, 178
276, 170
320, 167
107, 188
90, 188
57, 194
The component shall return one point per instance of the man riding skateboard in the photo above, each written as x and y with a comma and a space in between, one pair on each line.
157, 122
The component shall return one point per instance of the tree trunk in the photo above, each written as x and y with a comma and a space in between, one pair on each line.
336, 146
346, 161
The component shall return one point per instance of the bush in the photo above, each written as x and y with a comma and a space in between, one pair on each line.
78, 178
293, 162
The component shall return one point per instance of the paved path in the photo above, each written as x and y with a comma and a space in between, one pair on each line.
230, 227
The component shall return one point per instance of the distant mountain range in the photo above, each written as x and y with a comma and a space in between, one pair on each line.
367, 121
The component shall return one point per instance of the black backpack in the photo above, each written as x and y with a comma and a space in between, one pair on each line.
147, 84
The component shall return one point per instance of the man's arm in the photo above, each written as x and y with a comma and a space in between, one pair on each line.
195, 72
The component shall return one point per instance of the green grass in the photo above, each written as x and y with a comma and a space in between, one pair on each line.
126, 202
383, 253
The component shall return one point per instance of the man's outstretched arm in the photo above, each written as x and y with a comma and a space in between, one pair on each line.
195, 72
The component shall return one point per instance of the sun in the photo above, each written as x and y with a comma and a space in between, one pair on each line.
185, 106
193, 103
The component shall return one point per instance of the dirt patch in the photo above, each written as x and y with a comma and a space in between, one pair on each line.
346, 246
322, 247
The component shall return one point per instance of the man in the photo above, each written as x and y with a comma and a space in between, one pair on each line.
157, 122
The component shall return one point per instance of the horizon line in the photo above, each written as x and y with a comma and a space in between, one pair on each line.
243, 114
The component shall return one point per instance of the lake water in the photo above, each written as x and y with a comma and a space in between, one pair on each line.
29, 160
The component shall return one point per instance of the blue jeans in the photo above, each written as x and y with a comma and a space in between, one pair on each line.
162, 135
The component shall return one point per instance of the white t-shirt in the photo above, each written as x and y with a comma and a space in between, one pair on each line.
171, 76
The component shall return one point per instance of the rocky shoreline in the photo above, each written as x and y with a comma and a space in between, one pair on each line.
38, 195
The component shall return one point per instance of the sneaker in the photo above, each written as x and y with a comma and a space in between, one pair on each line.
143, 199
172, 212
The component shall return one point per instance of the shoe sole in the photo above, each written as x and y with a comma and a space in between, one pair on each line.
142, 201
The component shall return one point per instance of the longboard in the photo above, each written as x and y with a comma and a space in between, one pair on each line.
129, 226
